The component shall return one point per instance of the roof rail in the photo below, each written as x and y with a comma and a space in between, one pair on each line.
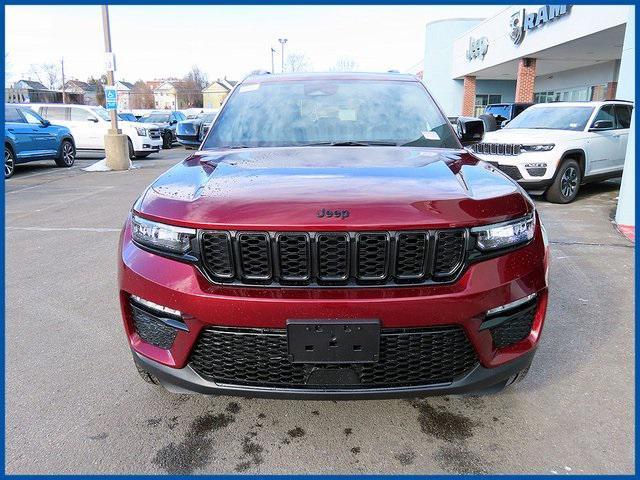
618, 100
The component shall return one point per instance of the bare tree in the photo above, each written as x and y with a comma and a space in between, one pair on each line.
46, 73
345, 64
141, 96
193, 83
296, 62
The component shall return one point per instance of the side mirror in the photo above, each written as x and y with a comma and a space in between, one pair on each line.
504, 123
601, 125
93, 119
46, 123
469, 129
173, 122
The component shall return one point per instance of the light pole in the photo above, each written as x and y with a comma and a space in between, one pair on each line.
272, 65
282, 42
116, 146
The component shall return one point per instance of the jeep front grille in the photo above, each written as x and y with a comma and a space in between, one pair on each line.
497, 148
333, 258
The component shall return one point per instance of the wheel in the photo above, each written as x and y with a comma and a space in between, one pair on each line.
167, 141
146, 376
67, 154
132, 153
9, 162
142, 155
566, 183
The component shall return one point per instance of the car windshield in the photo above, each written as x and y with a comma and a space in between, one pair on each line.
102, 113
331, 112
553, 118
157, 118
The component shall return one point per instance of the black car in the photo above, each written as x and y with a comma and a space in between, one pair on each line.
167, 121
503, 113
191, 132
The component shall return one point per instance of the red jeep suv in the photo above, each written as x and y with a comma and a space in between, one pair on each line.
332, 239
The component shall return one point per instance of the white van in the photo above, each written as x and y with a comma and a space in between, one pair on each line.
89, 125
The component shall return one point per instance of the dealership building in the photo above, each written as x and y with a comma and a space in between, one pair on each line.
526, 53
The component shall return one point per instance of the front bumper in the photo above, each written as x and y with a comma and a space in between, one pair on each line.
530, 178
189, 140
483, 286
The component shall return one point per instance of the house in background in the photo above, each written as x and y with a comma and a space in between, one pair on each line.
214, 94
124, 90
30, 91
88, 91
175, 95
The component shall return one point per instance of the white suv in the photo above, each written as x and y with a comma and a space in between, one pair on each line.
556, 147
90, 124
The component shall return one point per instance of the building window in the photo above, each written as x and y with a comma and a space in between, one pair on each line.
579, 94
483, 100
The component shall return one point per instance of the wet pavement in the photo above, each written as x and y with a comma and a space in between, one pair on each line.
75, 403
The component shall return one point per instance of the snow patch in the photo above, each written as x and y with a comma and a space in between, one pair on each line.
101, 166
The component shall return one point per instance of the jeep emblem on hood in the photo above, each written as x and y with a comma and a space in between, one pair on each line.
327, 213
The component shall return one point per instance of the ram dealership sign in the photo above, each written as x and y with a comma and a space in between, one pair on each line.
477, 48
521, 21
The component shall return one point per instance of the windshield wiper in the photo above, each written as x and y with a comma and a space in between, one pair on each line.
365, 143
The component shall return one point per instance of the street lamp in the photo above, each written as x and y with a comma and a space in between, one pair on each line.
282, 42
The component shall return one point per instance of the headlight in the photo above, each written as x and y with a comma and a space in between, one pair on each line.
502, 235
141, 131
537, 148
161, 236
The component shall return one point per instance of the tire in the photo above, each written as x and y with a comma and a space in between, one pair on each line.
167, 141
146, 376
566, 184
132, 153
142, 155
9, 162
67, 155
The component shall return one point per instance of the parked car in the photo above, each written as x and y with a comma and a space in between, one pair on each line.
325, 244
29, 137
167, 121
90, 124
503, 113
190, 133
556, 147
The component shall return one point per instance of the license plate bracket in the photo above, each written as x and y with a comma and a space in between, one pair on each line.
333, 341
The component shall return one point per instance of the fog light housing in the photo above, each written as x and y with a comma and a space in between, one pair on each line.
510, 306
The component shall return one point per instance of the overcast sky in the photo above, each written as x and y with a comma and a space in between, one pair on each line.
161, 41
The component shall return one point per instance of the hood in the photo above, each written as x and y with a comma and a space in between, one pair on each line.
529, 136
285, 188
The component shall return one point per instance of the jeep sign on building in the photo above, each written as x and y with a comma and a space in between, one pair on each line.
526, 53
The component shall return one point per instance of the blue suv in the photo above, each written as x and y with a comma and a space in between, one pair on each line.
29, 137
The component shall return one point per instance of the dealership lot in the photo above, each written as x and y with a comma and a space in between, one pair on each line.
75, 403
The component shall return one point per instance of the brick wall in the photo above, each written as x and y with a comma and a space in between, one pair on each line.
526, 81
611, 90
469, 96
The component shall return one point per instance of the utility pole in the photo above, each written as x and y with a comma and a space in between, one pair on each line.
282, 42
64, 93
116, 145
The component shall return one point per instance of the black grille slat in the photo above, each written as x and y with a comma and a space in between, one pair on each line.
372, 256
450, 250
333, 257
216, 251
255, 256
259, 357
411, 255
294, 256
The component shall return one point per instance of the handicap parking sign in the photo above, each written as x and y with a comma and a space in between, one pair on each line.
111, 98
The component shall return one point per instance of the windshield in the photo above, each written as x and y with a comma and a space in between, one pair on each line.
330, 112
156, 118
553, 118
102, 113
501, 112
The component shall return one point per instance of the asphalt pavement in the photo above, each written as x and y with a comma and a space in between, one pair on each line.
75, 404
